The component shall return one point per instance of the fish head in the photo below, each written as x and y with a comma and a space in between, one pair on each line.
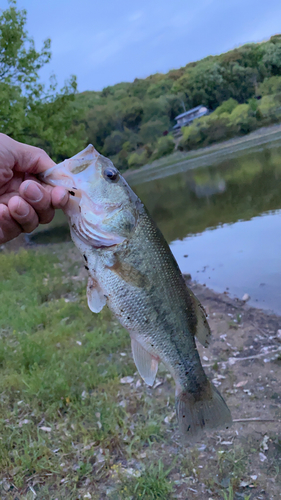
102, 208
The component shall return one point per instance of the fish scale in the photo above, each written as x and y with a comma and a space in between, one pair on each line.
133, 271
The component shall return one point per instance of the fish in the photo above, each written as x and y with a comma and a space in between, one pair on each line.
132, 270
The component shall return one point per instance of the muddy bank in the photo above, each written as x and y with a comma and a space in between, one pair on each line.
244, 360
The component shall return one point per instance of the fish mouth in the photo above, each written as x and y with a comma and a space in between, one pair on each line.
72, 172
56, 176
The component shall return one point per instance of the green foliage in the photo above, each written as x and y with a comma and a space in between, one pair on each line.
148, 107
269, 109
164, 146
160, 88
30, 112
272, 59
150, 131
231, 119
126, 121
137, 159
113, 143
270, 86
226, 107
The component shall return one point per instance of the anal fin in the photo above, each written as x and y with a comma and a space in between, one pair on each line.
96, 299
146, 363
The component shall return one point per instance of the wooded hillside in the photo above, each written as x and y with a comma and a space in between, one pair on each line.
131, 122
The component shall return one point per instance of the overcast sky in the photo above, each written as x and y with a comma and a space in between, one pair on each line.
108, 41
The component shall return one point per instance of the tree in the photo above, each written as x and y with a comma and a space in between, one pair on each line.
272, 59
31, 112
113, 143
151, 130
270, 86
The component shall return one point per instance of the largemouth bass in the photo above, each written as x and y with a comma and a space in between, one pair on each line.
132, 270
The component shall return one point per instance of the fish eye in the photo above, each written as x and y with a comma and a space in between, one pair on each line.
111, 173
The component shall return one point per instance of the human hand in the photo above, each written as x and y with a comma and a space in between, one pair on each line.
24, 202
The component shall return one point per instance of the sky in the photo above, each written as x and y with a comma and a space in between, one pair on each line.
110, 41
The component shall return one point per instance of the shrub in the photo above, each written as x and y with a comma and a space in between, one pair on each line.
165, 145
226, 107
242, 120
137, 159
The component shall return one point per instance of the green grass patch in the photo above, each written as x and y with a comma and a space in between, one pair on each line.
152, 484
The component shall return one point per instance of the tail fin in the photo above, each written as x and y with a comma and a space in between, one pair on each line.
197, 414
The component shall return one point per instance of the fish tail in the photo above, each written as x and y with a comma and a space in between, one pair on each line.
198, 412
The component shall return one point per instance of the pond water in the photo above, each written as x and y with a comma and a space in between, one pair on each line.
223, 223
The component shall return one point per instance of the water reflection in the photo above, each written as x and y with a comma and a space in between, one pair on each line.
226, 218
207, 200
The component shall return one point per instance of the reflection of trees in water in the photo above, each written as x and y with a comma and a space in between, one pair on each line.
189, 203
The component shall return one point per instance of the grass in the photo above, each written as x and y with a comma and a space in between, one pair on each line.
152, 484
60, 379
68, 428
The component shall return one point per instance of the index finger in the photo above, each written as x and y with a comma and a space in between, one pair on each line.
22, 157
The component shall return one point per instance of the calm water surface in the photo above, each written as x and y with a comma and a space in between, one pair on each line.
223, 224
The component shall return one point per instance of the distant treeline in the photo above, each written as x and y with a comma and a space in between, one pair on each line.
127, 121
131, 122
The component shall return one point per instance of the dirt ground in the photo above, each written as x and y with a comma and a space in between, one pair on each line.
244, 362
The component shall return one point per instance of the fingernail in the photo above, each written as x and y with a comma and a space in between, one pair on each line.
33, 192
63, 198
22, 209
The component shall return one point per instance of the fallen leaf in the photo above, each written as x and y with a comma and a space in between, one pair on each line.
262, 457
242, 383
264, 446
168, 419
24, 421
243, 484
126, 380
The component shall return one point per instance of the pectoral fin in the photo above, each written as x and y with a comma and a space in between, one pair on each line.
146, 364
96, 299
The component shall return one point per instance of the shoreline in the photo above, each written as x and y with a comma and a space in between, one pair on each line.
205, 293
182, 161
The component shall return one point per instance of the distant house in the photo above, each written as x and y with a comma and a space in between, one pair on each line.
184, 119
